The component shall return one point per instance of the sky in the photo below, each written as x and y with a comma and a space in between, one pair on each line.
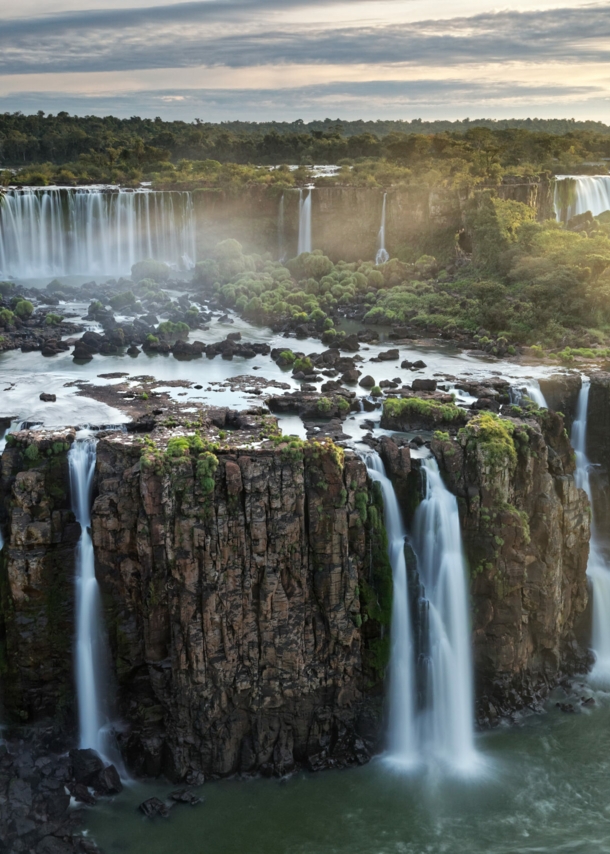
260, 60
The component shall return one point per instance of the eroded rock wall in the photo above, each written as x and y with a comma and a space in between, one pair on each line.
526, 529
37, 579
235, 618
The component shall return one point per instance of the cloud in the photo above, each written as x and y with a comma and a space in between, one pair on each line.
426, 98
231, 34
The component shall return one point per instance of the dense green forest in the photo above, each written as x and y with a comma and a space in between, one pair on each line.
543, 284
43, 149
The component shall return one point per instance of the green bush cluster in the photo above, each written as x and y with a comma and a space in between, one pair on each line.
415, 409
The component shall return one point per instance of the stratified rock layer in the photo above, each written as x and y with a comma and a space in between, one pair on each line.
37, 578
526, 529
234, 617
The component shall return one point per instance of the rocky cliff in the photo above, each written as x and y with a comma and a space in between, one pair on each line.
37, 578
346, 220
526, 529
234, 581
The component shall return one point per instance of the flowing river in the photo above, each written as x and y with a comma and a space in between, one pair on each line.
542, 785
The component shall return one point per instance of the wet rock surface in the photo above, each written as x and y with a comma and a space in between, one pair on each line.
37, 782
526, 529
235, 621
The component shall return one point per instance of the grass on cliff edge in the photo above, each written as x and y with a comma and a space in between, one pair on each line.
415, 408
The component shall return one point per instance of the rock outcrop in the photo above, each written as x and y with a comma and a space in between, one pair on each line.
561, 394
37, 578
526, 529
233, 601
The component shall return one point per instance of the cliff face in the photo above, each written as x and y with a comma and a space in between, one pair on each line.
346, 220
526, 531
234, 607
37, 578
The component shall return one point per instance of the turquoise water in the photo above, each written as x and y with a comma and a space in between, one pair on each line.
543, 786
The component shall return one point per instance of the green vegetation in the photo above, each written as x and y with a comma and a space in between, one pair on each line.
415, 409
64, 149
197, 450
153, 271
53, 319
7, 318
170, 331
494, 438
119, 301
23, 308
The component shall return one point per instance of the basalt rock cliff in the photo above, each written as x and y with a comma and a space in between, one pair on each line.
526, 529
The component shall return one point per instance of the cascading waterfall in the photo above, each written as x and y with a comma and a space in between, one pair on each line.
90, 644
531, 389
14, 425
88, 231
447, 721
401, 729
304, 222
382, 254
577, 194
281, 240
598, 567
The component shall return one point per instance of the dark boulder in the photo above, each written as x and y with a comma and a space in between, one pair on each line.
423, 385
86, 765
153, 807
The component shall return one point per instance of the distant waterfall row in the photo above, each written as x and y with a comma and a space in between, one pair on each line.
577, 194
431, 702
304, 237
92, 231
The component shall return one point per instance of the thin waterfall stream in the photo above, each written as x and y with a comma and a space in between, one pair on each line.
304, 221
90, 642
598, 566
401, 726
382, 253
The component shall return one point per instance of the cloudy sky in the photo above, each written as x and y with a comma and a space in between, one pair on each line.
288, 59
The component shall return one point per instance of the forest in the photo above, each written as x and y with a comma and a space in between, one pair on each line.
44, 149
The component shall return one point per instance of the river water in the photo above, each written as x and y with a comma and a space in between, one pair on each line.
543, 788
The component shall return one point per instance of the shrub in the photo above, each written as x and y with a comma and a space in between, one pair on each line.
24, 309
170, 331
150, 269
53, 319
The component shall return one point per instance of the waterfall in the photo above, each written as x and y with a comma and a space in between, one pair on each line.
598, 568
14, 425
304, 222
577, 194
401, 729
447, 721
382, 254
90, 650
531, 390
93, 231
280, 231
